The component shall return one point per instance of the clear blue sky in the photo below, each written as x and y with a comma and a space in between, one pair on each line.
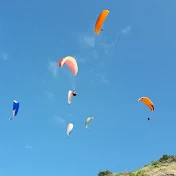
133, 57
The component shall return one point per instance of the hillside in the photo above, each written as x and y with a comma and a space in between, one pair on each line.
165, 166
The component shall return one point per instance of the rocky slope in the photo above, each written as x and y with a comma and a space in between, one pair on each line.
165, 166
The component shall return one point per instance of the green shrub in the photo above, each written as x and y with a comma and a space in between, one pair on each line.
132, 174
104, 173
164, 158
155, 164
140, 173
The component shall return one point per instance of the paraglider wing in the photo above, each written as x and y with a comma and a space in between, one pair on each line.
88, 121
69, 128
15, 107
70, 95
100, 20
70, 67
71, 64
147, 102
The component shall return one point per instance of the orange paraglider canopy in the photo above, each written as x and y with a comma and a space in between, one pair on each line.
71, 64
100, 20
147, 102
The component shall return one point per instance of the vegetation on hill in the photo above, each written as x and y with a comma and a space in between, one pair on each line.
165, 166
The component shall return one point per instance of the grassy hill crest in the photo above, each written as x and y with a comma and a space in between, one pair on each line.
165, 166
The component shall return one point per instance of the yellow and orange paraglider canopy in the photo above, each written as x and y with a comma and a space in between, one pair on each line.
71, 64
147, 102
100, 20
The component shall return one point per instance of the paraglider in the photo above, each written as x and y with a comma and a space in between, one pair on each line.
72, 65
15, 109
88, 121
69, 129
101, 19
70, 95
148, 103
149, 118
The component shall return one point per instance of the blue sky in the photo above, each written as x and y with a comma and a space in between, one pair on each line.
133, 57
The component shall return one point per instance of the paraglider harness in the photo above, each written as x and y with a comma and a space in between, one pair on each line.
74, 93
